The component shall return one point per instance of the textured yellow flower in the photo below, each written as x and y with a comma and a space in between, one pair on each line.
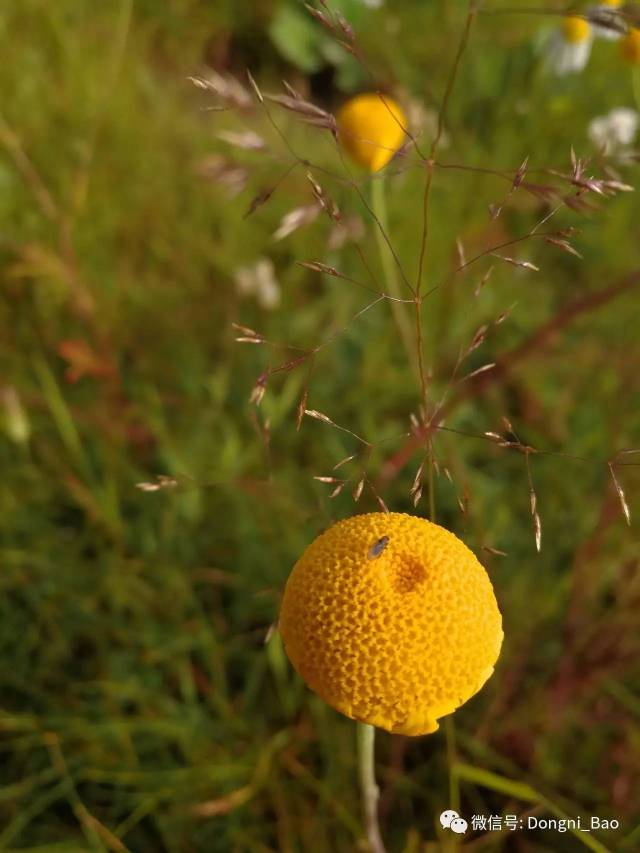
630, 47
391, 620
575, 29
371, 129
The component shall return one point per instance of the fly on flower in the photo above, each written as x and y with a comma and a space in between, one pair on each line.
569, 47
378, 547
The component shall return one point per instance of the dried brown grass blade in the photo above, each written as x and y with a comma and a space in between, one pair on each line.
538, 531
495, 551
382, 504
477, 372
485, 278
621, 495
320, 16
417, 479
162, 482
564, 245
319, 416
526, 265
254, 86
302, 405
258, 200
344, 461
316, 266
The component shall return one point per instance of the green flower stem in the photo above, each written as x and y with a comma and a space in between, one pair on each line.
452, 760
368, 787
390, 269
635, 83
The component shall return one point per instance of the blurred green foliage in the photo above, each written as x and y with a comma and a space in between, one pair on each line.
140, 707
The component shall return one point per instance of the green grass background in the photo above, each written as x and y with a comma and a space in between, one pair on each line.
140, 708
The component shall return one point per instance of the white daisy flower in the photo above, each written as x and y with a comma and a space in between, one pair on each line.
606, 20
259, 280
615, 131
569, 48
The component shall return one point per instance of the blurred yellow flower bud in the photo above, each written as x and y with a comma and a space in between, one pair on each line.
630, 47
372, 129
575, 29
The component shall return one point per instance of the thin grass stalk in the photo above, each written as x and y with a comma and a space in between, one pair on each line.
379, 208
452, 762
635, 83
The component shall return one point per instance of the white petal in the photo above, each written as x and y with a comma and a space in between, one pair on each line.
565, 57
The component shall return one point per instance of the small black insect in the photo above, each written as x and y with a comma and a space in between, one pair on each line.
378, 547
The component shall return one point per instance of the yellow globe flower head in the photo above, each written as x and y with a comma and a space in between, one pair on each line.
630, 47
371, 128
391, 620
